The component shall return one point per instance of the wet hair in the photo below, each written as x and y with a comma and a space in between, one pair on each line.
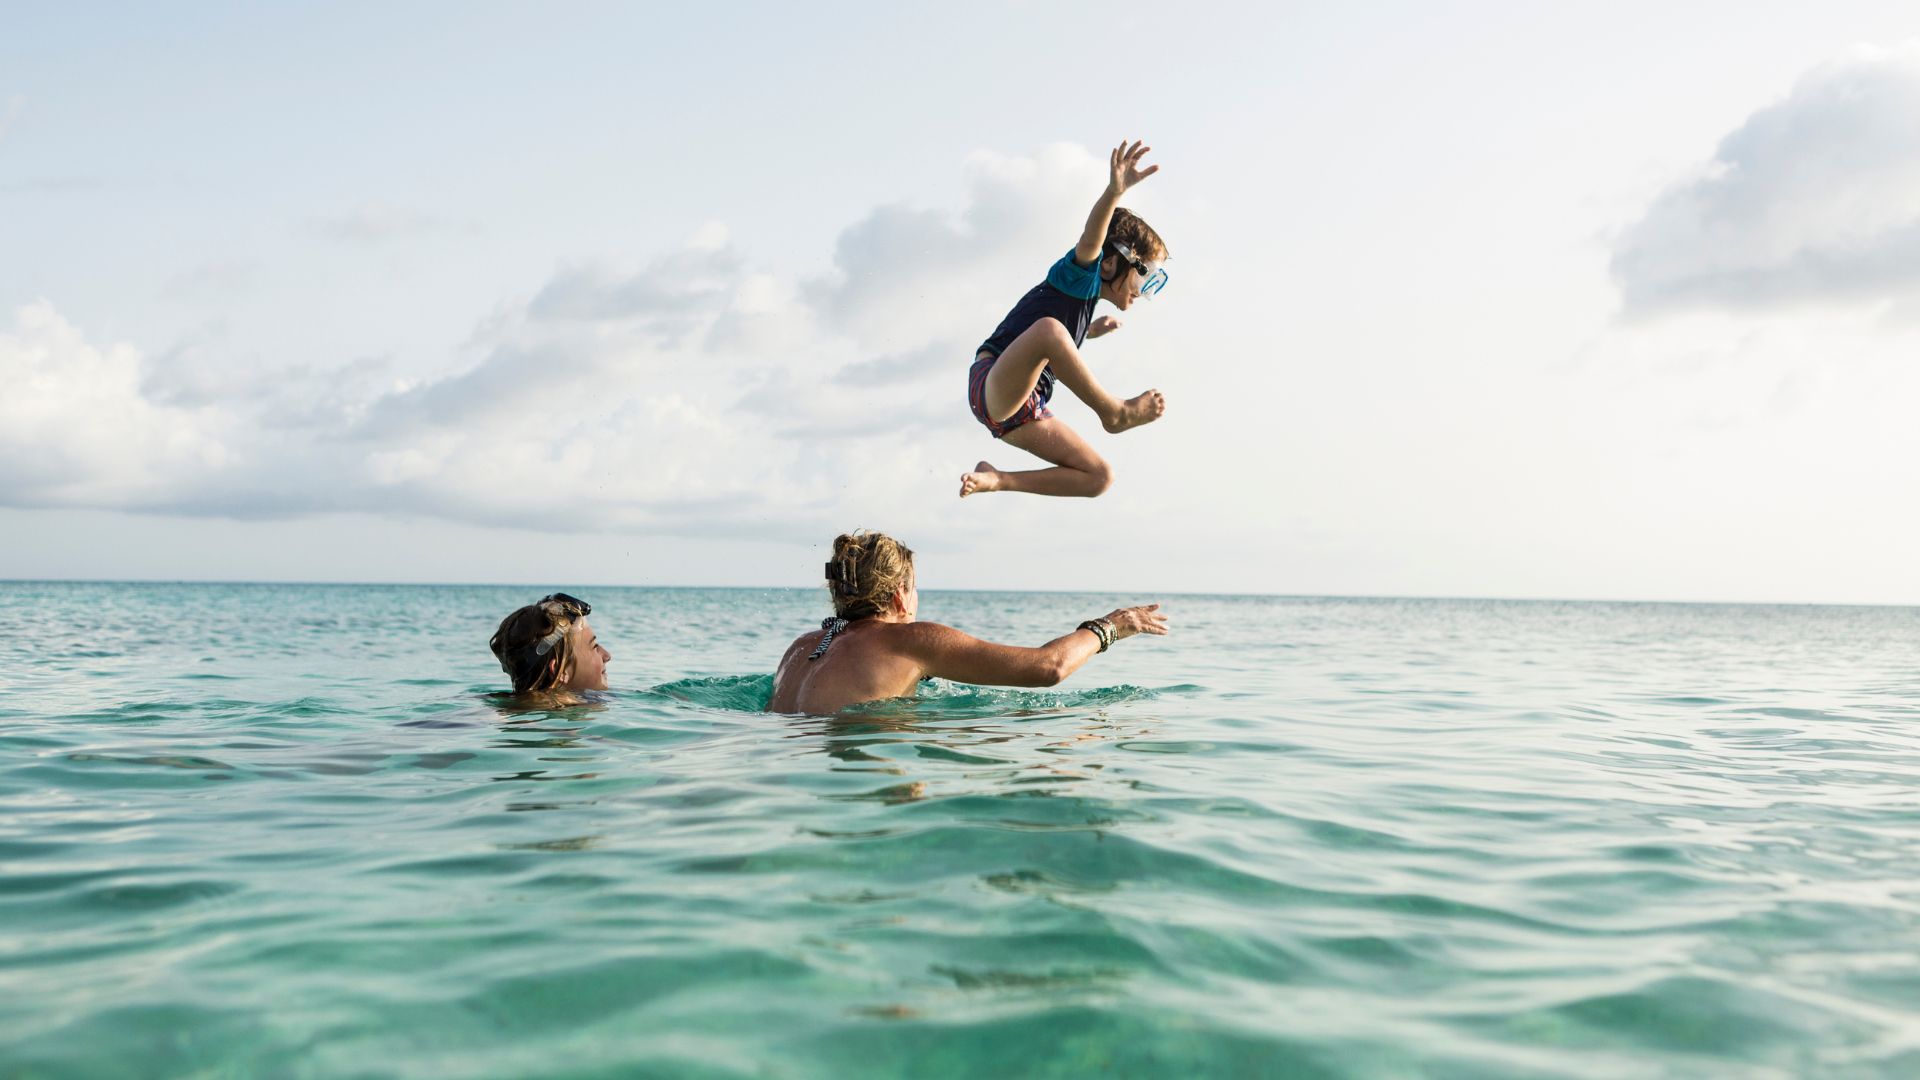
865, 571
535, 644
1126, 227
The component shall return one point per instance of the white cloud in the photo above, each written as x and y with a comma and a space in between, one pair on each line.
1813, 199
77, 430
711, 236
904, 276
690, 393
676, 293
901, 367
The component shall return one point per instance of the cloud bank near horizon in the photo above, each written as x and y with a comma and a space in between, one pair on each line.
1813, 200
691, 391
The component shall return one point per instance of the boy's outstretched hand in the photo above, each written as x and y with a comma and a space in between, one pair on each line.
1124, 167
1105, 324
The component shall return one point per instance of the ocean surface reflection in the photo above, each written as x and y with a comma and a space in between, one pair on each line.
1301, 838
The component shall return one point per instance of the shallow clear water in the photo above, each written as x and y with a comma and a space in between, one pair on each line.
276, 830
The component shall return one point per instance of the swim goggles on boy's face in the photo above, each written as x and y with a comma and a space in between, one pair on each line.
1152, 281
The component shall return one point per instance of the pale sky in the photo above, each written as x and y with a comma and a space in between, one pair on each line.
1609, 300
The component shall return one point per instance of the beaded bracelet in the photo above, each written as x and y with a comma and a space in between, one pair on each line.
1102, 629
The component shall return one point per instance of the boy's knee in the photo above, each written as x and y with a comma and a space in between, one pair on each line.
1051, 331
1100, 478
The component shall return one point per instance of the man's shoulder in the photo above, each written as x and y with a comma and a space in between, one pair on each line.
922, 633
805, 641
884, 635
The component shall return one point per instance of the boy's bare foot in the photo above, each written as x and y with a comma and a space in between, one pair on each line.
984, 477
1135, 411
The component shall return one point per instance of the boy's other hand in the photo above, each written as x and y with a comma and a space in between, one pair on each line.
1105, 324
1124, 167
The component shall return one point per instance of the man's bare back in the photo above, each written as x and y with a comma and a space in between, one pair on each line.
867, 661
874, 647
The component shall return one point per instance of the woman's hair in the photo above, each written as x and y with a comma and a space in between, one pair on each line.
535, 643
1126, 227
866, 569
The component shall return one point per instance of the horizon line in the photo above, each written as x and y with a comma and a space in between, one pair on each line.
1029, 591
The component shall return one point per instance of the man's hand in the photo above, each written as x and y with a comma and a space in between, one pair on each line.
1123, 166
1145, 619
1105, 324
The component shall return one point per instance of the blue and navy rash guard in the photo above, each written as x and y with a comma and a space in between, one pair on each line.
1068, 294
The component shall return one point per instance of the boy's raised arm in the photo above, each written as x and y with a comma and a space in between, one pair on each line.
1124, 171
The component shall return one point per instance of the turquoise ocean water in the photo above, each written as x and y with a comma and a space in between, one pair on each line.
282, 831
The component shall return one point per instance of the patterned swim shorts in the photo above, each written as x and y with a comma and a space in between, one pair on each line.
1034, 408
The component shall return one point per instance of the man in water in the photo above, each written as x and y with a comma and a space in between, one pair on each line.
872, 647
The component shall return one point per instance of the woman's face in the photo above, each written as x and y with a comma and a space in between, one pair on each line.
589, 660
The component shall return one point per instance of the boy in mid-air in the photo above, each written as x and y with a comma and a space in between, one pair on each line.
1118, 258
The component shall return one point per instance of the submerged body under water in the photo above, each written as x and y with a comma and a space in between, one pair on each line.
278, 830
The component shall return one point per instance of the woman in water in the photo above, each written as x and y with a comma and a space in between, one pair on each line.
872, 648
548, 648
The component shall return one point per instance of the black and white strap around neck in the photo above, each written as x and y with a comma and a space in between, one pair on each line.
832, 626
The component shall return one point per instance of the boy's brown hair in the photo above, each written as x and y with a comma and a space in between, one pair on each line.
1126, 227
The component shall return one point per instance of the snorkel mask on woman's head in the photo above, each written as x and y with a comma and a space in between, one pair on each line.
562, 609
1152, 281
571, 606
532, 644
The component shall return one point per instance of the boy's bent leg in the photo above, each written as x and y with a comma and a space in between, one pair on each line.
1016, 371
1077, 471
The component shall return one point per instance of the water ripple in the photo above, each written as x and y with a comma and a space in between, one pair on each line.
1304, 837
